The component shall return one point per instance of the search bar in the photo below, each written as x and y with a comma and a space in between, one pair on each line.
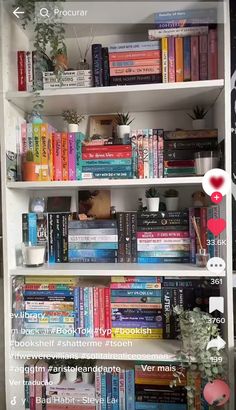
138, 12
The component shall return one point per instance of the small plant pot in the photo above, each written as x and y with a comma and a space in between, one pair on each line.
55, 378
29, 171
153, 204
61, 62
71, 375
88, 378
123, 132
172, 203
199, 124
73, 128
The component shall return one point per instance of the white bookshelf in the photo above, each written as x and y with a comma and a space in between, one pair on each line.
153, 105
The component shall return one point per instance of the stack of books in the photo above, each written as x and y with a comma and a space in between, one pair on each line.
92, 312
135, 63
68, 79
66, 395
92, 241
127, 242
163, 237
180, 147
49, 306
107, 161
189, 44
136, 308
152, 391
117, 389
147, 153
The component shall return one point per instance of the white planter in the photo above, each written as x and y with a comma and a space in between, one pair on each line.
73, 128
172, 204
199, 124
71, 375
55, 378
88, 378
153, 204
123, 131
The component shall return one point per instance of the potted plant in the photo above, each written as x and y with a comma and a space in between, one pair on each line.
71, 370
29, 168
73, 119
153, 199
172, 199
55, 369
123, 122
198, 118
60, 59
197, 329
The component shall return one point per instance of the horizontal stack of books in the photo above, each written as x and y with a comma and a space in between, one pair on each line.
49, 306
147, 153
107, 161
135, 63
180, 147
73, 396
93, 312
115, 390
163, 237
136, 308
92, 241
152, 391
68, 79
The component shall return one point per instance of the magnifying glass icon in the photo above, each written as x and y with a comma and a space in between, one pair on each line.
44, 12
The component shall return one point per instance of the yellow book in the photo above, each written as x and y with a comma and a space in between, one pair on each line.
44, 170
161, 382
164, 60
130, 333
50, 279
37, 145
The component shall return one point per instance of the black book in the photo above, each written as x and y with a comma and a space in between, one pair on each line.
207, 144
136, 79
134, 237
127, 236
179, 154
121, 236
162, 214
105, 67
163, 222
163, 228
97, 65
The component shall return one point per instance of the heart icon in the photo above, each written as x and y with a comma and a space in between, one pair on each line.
217, 182
216, 226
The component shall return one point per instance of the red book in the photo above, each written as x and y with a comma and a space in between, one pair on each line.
21, 67
194, 58
203, 226
212, 55
203, 57
180, 163
108, 311
106, 155
106, 148
134, 55
96, 312
101, 293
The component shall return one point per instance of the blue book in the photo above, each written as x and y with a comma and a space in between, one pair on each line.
93, 245
115, 391
163, 254
32, 227
77, 308
136, 292
100, 223
101, 162
135, 46
92, 260
187, 58
191, 16
141, 285
136, 324
110, 175
160, 406
49, 293
91, 253
86, 312
103, 391
79, 137
130, 389
109, 391
106, 168
163, 260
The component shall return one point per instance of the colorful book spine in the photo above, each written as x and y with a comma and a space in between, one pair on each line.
179, 59
177, 259
194, 58
129, 71
171, 59
136, 79
130, 389
96, 311
44, 169
102, 320
145, 154
160, 148
150, 153
155, 154
97, 65
133, 237
71, 157
177, 32
187, 58
212, 55
122, 387
121, 236
107, 308
136, 63
165, 69
115, 391
134, 55
108, 391
57, 151
64, 156
103, 391
78, 144
98, 390
140, 155
37, 144
136, 285
21, 61
105, 67
30, 140
29, 71
203, 57
135, 46
51, 242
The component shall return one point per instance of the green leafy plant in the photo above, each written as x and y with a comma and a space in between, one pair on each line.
72, 117
198, 113
123, 119
197, 328
152, 193
171, 193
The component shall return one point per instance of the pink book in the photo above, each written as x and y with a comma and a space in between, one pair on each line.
171, 59
98, 390
41, 378
51, 406
57, 158
23, 148
71, 154
101, 310
203, 57
155, 155
212, 55
167, 234
107, 292
96, 312
194, 58
32, 386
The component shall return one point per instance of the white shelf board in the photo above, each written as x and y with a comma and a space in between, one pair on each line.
86, 348
234, 279
115, 269
135, 98
111, 183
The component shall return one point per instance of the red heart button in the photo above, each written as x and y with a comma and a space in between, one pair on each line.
217, 182
216, 226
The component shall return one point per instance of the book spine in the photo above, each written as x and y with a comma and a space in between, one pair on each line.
212, 55
127, 226
203, 226
177, 32
140, 155
134, 144
194, 58
136, 79
51, 242
106, 155
135, 285
135, 46
97, 65
135, 279
32, 387
50, 153
171, 59
107, 148
162, 222
176, 234
136, 63
130, 70
122, 389
130, 389
44, 169
92, 238
90, 315
179, 59
21, 70
187, 58
86, 312
102, 320
109, 391
103, 391
160, 154
133, 237
71, 155
150, 155
32, 224
115, 391
105, 67
155, 154
192, 235
81, 311
96, 311
135, 305
78, 144
30, 141
23, 142
106, 168
107, 307
165, 69
136, 292
37, 144
25, 228
26, 387
161, 228
178, 259
64, 156
57, 229
134, 55
108, 224
57, 162
145, 154
29, 71
98, 392
203, 57
167, 313
121, 236
64, 237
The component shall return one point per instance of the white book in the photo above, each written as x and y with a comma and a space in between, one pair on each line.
92, 238
177, 32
